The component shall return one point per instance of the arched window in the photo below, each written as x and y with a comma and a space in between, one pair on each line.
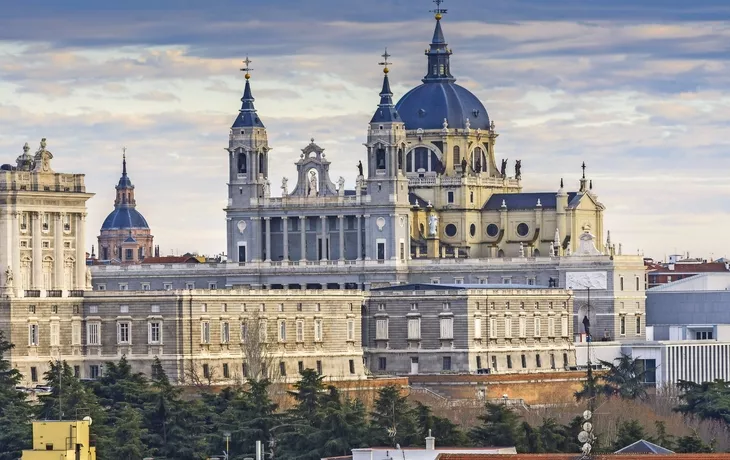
400, 159
242, 163
380, 159
457, 155
478, 160
262, 163
422, 159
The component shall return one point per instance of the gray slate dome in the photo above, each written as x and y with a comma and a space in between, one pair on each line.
124, 218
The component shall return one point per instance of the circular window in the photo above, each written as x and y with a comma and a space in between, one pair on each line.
522, 229
492, 229
450, 230
473, 230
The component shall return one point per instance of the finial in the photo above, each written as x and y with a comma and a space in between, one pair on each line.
385, 62
439, 12
26, 148
584, 169
124, 161
247, 68
590, 186
561, 182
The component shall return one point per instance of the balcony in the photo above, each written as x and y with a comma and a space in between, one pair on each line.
76, 293
54, 293
32, 293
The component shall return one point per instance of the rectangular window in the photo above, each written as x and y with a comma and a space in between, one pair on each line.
206, 371
564, 326
155, 308
55, 334
318, 333
226, 372
350, 330
319, 367
75, 333
167, 286
212, 286
492, 328
523, 327
123, 333
244, 331
638, 325
263, 331
77, 371
459, 280
54, 309
93, 309
622, 325
621, 283
552, 361
538, 361
155, 332
551, 327
479, 362
509, 361
300, 330
494, 362
637, 284
33, 374
565, 360
478, 328
31, 309
447, 328
381, 329
282, 330
523, 358
94, 371
450, 197
145, 286
352, 366
282, 368
205, 332
225, 332
414, 328
446, 363
244, 369
508, 328
92, 334
300, 366
382, 364
538, 326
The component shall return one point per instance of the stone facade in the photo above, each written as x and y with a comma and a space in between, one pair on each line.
198, 335
426, 329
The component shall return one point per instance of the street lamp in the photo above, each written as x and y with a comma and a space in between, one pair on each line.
227, 434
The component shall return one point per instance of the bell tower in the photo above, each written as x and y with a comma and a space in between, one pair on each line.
248, 149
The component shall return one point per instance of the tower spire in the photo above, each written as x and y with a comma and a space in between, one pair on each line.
438, 53
247, 116
124, 161
386, 109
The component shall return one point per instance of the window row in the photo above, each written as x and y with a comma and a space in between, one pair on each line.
282, 331
446, 328
282, 369
94, 333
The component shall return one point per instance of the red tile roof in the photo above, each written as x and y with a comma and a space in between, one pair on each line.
693, 268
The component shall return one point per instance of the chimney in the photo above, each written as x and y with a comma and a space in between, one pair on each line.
157, 251
430, 442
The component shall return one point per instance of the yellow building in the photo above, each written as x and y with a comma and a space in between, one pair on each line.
61, 440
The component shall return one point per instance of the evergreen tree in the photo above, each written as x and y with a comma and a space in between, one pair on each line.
15, 411
628, 433
693, 444
552, 436
663, 438
625, 378
532, 438
444, 430
126, 435
570, 443
343, 426
392, 420
707, 400
500, 426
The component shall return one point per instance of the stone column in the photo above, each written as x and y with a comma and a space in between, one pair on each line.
285, 223
14, 256
255, 245
267, 223
303, 233
358, 218
37, 252
367, 228
323, 219
342, 236
81, 250
58, 251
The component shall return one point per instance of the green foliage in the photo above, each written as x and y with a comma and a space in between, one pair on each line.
629, 432
707, 400
500, 426
663, 438
446, 432
15, 412
624, 378
693, 444
393, 420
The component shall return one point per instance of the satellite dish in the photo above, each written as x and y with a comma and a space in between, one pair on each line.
588, 426
587, 415
583, 437
587, 448
87, 419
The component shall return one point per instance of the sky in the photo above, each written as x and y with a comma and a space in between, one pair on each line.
638, 90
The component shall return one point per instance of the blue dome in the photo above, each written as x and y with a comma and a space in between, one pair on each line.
124, 218
427, 105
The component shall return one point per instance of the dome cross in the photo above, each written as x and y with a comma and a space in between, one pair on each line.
385, 62
247, 67
438, 11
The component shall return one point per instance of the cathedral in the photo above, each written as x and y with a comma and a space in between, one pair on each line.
431, 188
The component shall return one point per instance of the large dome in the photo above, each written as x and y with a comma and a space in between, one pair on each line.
124, 218
426, 106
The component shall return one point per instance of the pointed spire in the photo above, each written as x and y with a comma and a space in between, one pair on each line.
386, 112
124, 161
124, 181
561, 183
247, 116
439, 66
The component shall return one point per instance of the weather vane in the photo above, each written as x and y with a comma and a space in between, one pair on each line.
439, 11
124, 152
385, 62
247, 68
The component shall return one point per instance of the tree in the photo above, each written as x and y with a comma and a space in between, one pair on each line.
444, 430
706, 400
625, 378
591, 388
693, 444
126, 436
14, 409
628, 433
500, 427
392, 420
663, 438
552, 436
